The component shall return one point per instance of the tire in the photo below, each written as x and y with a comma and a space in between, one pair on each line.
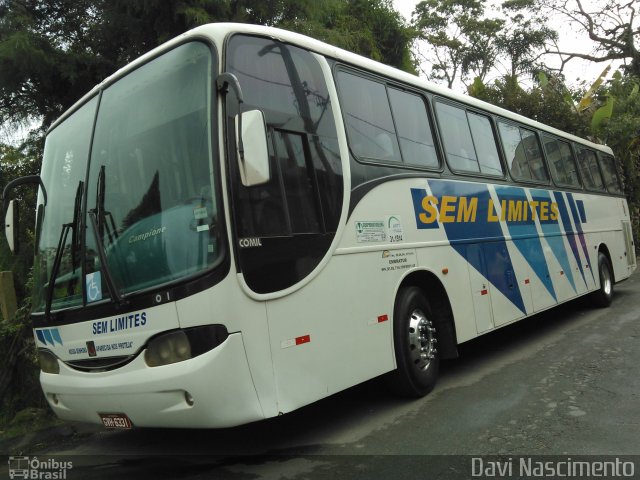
602, 297
414, 339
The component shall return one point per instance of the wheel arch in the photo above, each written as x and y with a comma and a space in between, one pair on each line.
438, 298
602, 248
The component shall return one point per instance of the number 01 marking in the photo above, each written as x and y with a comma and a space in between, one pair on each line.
163, 297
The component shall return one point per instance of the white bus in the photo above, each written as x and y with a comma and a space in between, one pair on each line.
246, 220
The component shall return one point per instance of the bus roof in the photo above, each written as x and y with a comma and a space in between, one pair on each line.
220, 31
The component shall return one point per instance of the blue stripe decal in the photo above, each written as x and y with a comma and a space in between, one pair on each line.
56, 335
554, 237
522, 229
40, 336
571, 236
418, 194
583, 240
499, 272
583, 215
47, 337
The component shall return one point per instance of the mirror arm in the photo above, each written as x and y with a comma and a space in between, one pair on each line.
223, 82
21, 181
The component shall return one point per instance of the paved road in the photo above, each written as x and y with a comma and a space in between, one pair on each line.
566, 383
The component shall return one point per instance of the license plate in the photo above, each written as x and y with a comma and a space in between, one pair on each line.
116, 420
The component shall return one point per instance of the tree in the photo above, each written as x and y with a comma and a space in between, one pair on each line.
523, 38
458, 40
369, 27
462, 42
621, 131
613, 25
546, 101
54, 51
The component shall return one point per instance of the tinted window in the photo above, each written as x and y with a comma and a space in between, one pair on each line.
485, 144
561, 162
368, 117
414, 129
611, 180
468, 140
523, 153
297, 212
456, 136
589, 170
287, 84
298, 182
534, 155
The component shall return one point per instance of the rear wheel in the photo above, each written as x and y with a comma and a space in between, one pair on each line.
415, 340
603, 296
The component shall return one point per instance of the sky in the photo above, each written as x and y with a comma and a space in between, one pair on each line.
575, 71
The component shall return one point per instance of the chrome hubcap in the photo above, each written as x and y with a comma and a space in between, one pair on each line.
422, 340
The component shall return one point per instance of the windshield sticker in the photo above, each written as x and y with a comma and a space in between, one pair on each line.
144, 236
135, 320
200, 213
394, 229
370, 231
93, 284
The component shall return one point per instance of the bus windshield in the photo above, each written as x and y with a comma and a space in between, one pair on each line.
148, 208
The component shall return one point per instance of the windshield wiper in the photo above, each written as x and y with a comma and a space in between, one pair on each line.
98, 216
76, 239
101, 213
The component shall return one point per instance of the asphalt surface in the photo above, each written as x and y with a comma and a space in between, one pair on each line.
565, 383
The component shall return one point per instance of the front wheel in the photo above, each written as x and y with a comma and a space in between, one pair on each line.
414, 337
602, 297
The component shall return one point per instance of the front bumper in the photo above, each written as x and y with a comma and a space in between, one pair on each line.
218, 381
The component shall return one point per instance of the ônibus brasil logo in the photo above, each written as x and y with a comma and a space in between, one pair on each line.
33, 468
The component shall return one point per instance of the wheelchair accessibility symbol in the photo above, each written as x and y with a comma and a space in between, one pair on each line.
93, 285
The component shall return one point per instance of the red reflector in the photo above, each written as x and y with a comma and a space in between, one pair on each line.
561, 272
383, 318
526, 281
484, 292
303, 339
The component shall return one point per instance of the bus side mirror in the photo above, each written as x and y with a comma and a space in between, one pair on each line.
252, 151
11, 226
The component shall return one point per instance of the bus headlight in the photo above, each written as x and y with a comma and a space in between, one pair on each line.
170, 348
48, 362
180, 345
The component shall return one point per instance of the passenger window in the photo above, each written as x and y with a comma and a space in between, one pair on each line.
368, 118
611, 179
561, 162
485, 143
589, 170
456, 137
468, 140
523, 153
414, 129
534, 155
